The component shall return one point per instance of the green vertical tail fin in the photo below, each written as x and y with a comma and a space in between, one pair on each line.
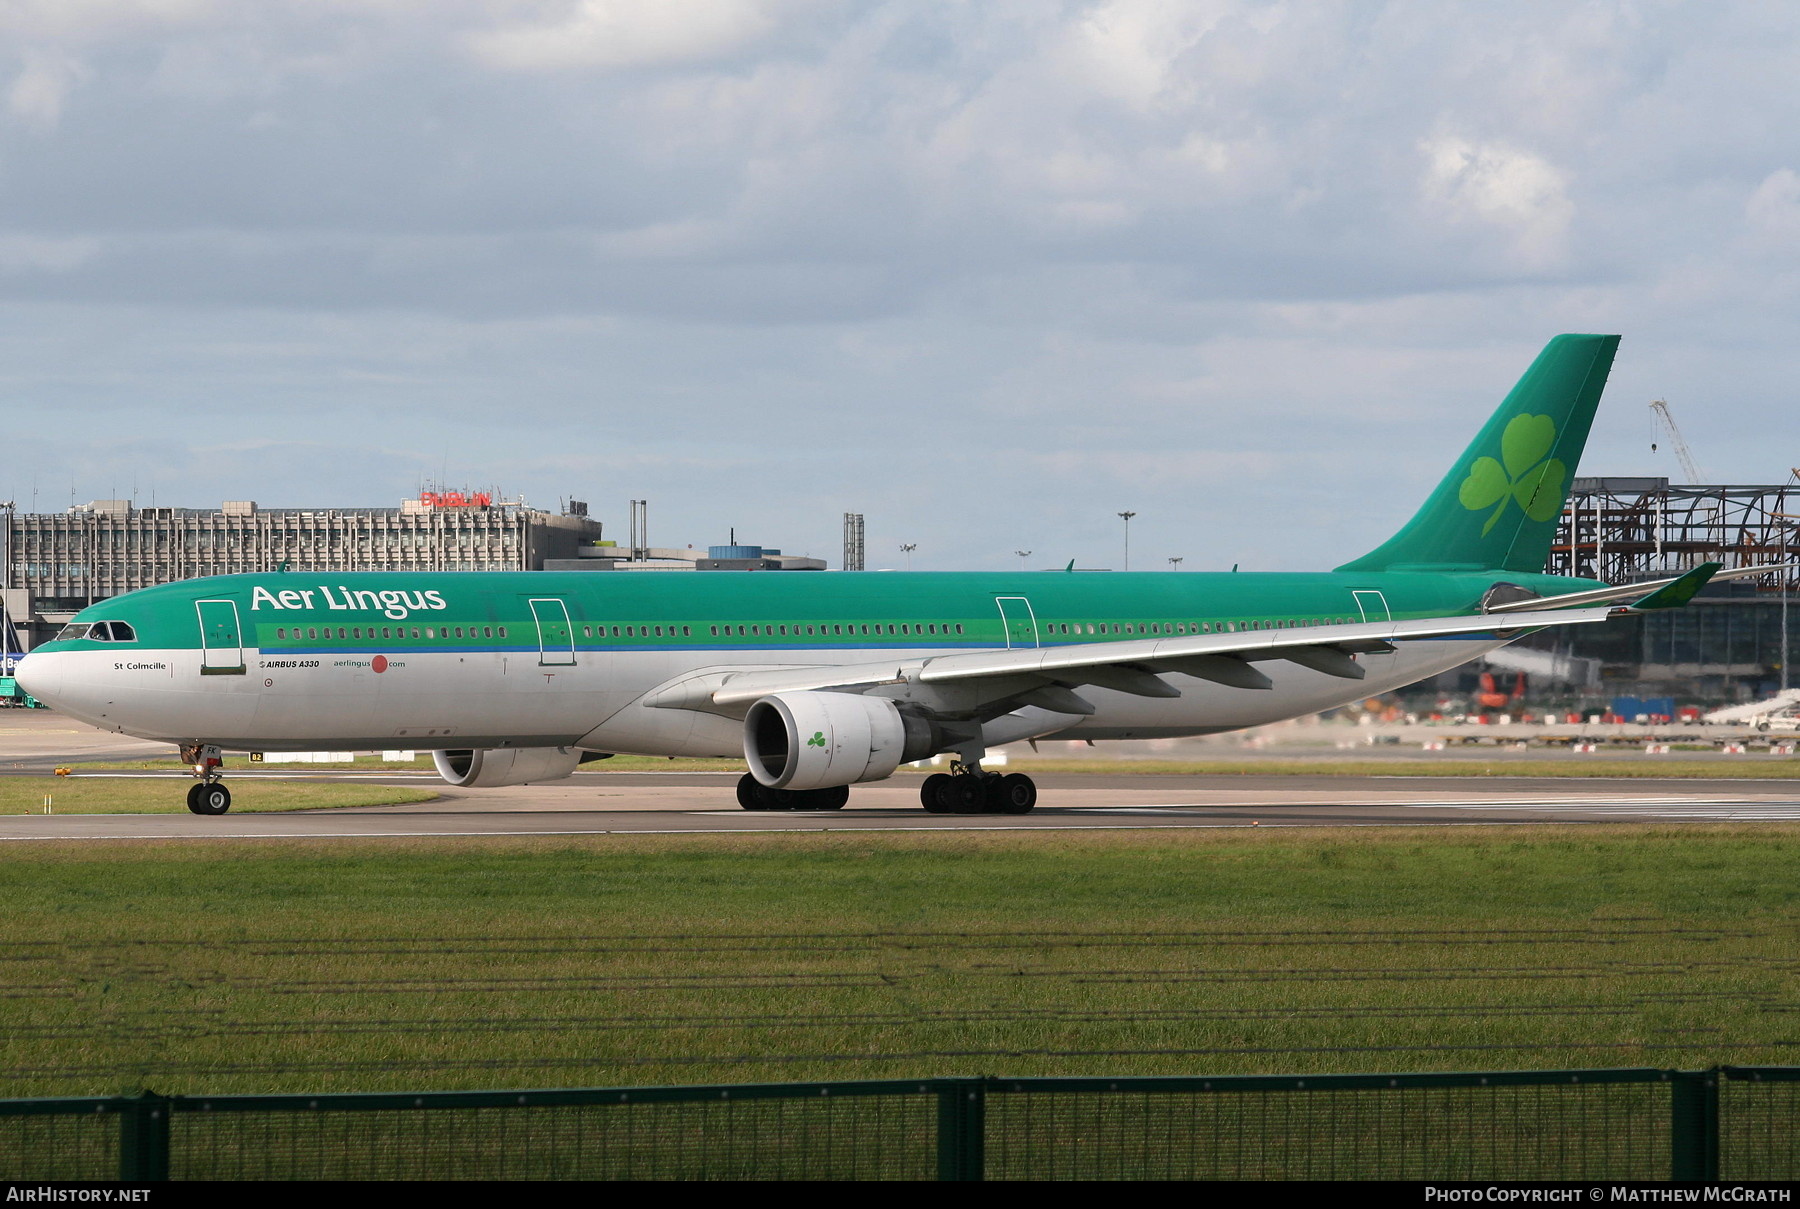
1497, 508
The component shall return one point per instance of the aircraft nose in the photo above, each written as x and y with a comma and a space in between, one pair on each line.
44, 676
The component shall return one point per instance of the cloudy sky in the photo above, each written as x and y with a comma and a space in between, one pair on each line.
987, 272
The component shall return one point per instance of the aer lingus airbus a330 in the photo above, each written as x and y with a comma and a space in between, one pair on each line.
825, 681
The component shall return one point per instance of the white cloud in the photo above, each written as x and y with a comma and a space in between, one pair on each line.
42, 86
1511, 190
1773, 210
626, 33
1128, 49
33, 253
79, 19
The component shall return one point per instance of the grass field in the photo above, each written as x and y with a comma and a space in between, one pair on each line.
167, 795
369, 965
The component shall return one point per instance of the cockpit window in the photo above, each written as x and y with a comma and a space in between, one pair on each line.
98, 631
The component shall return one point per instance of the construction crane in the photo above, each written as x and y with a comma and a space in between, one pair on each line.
1662, 422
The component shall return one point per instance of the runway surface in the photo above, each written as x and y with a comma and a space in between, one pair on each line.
688, 803
649, 803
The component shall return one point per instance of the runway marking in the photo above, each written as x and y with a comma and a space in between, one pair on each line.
1381, 804
1723, 809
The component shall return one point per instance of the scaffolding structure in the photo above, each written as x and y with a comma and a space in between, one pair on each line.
853, 541
1623, 529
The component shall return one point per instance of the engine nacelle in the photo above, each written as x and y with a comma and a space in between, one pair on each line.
491, 768
810, 740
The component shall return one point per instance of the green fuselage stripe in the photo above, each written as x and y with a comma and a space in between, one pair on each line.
771, 612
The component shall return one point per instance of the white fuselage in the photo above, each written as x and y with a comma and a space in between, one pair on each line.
449, 699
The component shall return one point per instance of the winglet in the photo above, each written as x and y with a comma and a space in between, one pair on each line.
1673, 596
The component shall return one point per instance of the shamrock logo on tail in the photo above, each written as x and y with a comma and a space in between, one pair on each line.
1529, 474
818, 739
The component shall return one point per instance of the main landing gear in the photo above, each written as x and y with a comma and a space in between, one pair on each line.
209, 796
971, 791
752, 794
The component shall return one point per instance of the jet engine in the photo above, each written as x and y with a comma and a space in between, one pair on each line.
493, 767
818, 740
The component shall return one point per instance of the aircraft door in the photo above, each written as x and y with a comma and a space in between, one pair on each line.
221, 641
1018, 621
556, 637
1373, 605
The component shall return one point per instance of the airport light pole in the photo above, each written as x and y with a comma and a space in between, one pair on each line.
1023, 555
907, 550
1126, 517
1787, 590
1175, 563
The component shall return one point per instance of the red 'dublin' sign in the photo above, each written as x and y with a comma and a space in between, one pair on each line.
456, 499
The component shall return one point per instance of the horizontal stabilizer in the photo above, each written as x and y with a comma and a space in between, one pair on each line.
1629, 591
1673, 596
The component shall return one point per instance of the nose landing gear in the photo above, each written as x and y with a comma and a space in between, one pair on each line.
209, 796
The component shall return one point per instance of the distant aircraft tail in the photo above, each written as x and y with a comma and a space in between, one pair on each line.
1497, 508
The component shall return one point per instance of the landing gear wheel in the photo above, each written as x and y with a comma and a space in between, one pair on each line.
834, 798
967, 794
752, 795
932, 795
1014, 793
209, 797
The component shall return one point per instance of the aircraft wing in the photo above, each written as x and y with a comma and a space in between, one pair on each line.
1130, 665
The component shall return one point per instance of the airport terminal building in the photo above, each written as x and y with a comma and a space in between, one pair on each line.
59, 563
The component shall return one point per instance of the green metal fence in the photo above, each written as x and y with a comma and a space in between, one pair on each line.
1735, 1123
